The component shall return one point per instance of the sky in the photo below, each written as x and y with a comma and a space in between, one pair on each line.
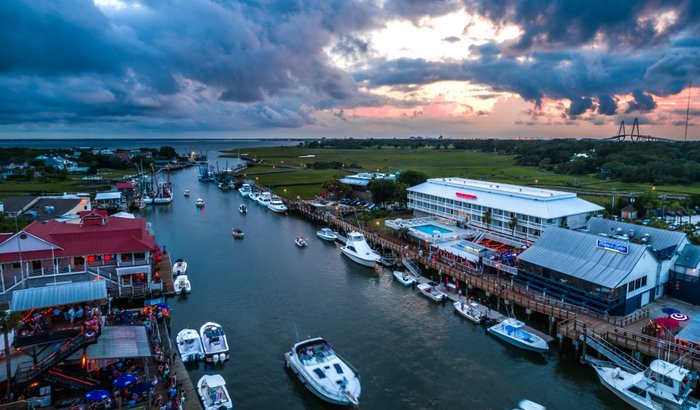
344, 68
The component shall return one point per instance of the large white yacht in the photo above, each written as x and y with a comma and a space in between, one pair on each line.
189, 344
325, 373
277, 205
358, 250
264, 198
211, 389
214, 342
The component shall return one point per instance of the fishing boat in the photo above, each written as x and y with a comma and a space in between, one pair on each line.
471, 310
277, 205
237, 233
324, 372
187, 193
211, 389
511, 331
431, 291
327, 234
662, 385
199, 203
245, 190
160, 192
189, 344
180, 267
264, 198
300, 242
358, 250
243, 209
214, 342
182, 285
404, 277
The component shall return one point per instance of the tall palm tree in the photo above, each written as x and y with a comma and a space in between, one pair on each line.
487, 218
9, 320
512, 224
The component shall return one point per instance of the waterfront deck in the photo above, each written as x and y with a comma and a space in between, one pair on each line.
166, 275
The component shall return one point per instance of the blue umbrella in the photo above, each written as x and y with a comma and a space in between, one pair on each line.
163, 306
670, 310
140, 388
97, 395
124, 380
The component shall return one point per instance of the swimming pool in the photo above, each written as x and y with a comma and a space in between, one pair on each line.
431, 229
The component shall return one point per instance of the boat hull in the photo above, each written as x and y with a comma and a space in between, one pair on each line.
357, 259
624, 397
466, 314
519, 343
326, 238
277, 210
400, 277
432, 297
291, 364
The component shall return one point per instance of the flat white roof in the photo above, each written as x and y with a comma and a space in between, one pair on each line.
108, 195
537, 202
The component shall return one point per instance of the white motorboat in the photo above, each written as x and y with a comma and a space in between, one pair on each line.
199, 203
430, 290
472, 311
662, 385
182, 285
404, 277
264, 198
189, 344
187, 192
300, 242
529, 405
214, 342
180, 267
277, 205
327, 234
237, 233
245, 190
243, 209
358, 250
511, 331
211, 389
254, 195
326, 374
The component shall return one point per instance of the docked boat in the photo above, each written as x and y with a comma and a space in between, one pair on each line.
189, 344
404, 277
472, 311
358, 250
243, 209
324, 372
277, 205
211, 389
199, 203
214, 342
264, 198
182, 285
187, 192
180, 267
431, 291
245, 190
327, 234
160, 192
662, 385
254, 195
511, 331
529, 405
237, 233
300, 242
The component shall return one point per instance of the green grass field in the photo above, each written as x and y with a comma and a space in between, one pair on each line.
74, 183
434, 163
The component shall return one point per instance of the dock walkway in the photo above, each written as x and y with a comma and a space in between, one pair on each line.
166, 275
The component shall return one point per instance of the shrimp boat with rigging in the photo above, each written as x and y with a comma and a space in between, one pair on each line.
160, 192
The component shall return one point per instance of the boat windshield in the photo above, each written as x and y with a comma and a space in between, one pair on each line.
315, 354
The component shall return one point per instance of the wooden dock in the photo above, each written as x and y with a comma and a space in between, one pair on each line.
166, 275
169, 347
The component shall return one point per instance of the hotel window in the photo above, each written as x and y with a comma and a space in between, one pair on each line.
630, 287
644, 281
16, 265
139, 256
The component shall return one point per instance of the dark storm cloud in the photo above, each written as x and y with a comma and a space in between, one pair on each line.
641, 102
579, 106
607, 105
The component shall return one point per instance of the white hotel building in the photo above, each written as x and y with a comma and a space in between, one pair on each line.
467, 200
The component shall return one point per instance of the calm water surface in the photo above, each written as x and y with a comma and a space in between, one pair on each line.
411, 353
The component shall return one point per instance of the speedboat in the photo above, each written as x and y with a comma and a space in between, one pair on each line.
237, 233
511, 331
404, 277
264, 198
180, 267
324, 372
358, 250
243, 209
254, 195
277, 205
199, 203
187, 192
431, 291
182, 285
189, 344
662, 385
471, 311
327, 234
245, 190
214, 342
211, 389
300, 242
529, 405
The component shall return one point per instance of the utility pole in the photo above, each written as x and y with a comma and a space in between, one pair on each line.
687, 110
612, 209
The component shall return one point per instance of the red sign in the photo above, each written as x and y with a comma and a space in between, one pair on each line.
463, 195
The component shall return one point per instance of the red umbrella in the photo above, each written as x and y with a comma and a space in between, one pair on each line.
667, 322
679, 317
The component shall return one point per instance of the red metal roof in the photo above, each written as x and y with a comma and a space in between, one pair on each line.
118, 235
125, 185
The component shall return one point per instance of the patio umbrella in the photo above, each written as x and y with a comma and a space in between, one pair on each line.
166, 306
124, 380
670, 310
680, 317
97, 395
140, 388
666, 322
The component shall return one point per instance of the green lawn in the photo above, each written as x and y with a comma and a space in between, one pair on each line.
73, 183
